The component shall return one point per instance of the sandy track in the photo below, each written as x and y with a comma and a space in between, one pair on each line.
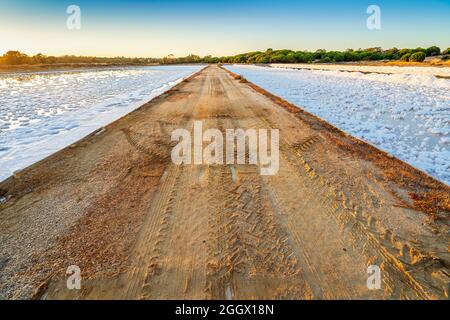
140, 227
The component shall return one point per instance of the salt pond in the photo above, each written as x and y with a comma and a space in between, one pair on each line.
406, 114
42, 112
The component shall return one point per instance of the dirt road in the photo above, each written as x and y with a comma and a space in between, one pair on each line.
141, 227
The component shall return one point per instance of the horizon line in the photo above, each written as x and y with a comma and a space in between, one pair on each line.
217, 56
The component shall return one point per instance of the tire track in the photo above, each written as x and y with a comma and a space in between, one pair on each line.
402, 278
253, 257
226, 232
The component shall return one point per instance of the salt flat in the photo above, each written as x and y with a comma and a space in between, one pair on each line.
42, 112
405, 114
434, 71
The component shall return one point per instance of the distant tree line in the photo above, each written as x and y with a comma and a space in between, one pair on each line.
268, 56
18, 58
323, 56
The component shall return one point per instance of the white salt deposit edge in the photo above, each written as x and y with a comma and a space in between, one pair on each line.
407, 115
431, 71
41, 113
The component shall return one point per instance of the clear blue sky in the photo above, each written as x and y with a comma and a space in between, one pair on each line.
157, 28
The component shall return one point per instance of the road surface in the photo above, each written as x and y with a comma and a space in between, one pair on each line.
140, 227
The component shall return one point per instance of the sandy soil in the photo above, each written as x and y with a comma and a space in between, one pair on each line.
140, 227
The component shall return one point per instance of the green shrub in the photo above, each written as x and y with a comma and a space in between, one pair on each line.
290, 58
325, 60
433, 51
403, 52
263, 59
339, 57
419, 50
304, 57
319, 54
279, 58
417, 57
446, 51
375, 56
405, 57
